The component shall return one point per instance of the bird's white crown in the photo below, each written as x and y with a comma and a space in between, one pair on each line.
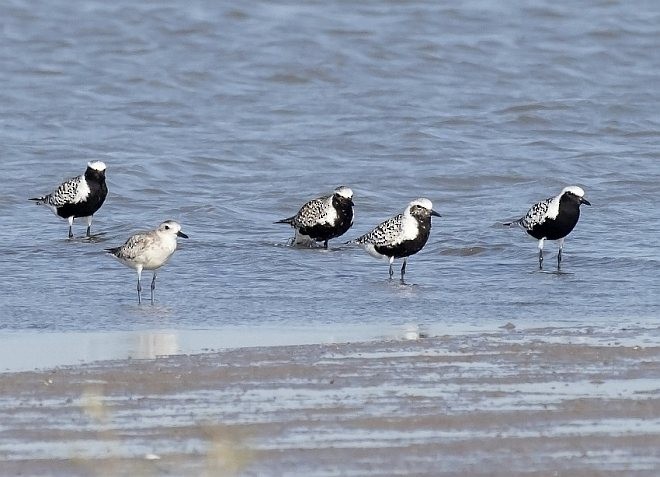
96, 165
575, 190
422, 202
344, 192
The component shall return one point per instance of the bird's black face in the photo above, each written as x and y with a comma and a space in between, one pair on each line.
95, 174
577, 199
420, 212
340, 199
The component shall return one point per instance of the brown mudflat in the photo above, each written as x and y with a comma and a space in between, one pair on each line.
512, 403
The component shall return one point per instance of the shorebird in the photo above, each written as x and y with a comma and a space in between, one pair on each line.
149, 251
324, 218
79, 197
402, 235
553, 218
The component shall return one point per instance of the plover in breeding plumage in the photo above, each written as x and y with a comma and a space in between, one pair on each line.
149, 251
79, 197
324, 218
402, 235
553, 218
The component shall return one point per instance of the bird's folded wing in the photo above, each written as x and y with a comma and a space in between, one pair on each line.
536, 214
386, 233
135, 245
311, 213
66, 193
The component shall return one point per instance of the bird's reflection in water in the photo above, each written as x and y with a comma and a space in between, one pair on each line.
151, 344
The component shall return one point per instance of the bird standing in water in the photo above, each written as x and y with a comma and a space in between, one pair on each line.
149, 251
323, 218
401, 236
78, 197
553, 218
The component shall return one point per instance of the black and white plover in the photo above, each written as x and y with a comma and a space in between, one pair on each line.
78, 197
402, 235
149, 251
553, 218
324, 218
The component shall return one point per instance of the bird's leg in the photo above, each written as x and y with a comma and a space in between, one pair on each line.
325, 244
561, 246
153, 287
541, 254
70, 219
391, 271
89, 226
139, 286
403, 268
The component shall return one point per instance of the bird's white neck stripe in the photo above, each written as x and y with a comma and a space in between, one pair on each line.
409, 227
82, 191
553, 208
329, 213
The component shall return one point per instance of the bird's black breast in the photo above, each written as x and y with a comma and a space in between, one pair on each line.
560, 226
408, 247
98, 191
322, 232
344, 208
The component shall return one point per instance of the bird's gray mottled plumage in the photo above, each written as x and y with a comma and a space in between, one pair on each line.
312, 212
69, 192
387, 233
135, 246
536, 215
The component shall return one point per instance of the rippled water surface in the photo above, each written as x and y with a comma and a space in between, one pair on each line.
227, 116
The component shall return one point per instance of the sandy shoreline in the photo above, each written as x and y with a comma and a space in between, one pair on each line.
534, 403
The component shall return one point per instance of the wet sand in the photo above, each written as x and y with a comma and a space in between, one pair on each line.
535, 402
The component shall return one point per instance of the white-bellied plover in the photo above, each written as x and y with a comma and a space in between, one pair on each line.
553, 218
402, 235
78, 197
324, 218
149, 251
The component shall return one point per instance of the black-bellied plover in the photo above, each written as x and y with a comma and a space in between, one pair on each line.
553, 218
402, 235
149, 251
79, 197
324, 218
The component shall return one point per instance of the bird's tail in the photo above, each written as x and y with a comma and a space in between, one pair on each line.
286, 221
40, 200
511, 224
355, 241
113, 250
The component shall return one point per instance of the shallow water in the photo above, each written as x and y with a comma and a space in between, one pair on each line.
228, 117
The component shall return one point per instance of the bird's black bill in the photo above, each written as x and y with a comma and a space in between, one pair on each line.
584, 201
181, 234
435, 214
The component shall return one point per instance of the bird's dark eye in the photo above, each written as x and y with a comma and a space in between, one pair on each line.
167, 227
